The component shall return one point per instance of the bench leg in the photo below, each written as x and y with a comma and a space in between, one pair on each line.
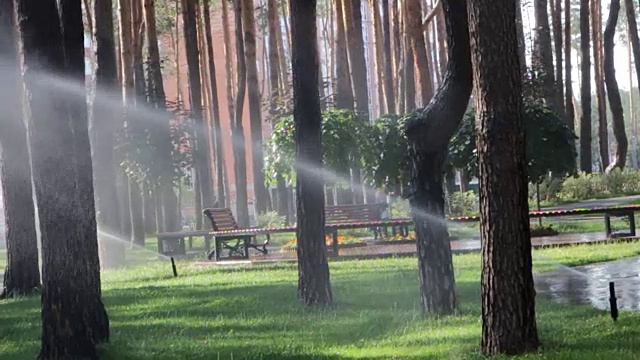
247, 241
334, 242
632, 224
160, 241
207, 243
607, 225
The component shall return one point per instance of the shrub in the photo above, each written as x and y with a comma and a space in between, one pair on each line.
271, 219
462, 203
589, 186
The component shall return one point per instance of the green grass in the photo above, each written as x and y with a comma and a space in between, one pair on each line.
252, 313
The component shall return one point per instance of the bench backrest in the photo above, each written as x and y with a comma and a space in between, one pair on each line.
221, 219
354, 213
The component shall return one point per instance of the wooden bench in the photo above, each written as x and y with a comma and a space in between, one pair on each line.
222, 220
360, 213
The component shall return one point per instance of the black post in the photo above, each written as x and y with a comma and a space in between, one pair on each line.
173, 267
613, 301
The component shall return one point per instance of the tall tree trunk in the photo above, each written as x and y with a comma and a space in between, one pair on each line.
568, 82
21, 275
522, 46
105, 125
585, 89
556, 17
240, 160
353, 24
413, 11
379, 51
542, 57
344, 95
255, 107
613, 92
215, 107
635, 45
314, 286
388, 60
409, 70
203, 168
508, 294
165, 191
428, 142
74, 319
603, 131
228, 58
397, 55
149, 204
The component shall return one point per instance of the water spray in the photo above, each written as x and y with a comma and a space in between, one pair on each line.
613, 301
173, 267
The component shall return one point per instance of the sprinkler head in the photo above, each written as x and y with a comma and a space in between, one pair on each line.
613, 301
173, 267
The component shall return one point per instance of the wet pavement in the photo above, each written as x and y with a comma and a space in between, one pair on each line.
589, 284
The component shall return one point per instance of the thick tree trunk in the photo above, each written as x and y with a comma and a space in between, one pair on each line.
568, 81
358, 65
255, 107
189, 20
542, 57
613, 92
73, 316
603, 131
556, 17
104, 127
585, 89
428, 140
344, 91
21, 275
413, 11
240, 161
508, 294
215, 108
388, 60
314, 286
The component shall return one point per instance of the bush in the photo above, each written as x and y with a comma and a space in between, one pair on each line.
589, 186
271, 219
462, 203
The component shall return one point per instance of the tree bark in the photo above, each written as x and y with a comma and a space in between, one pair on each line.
603, 131
522, 46
195, 94
240, 164
73, 317
22, 274
556, 17
379, 55
388, 60
635, 46
358, 65
542, 57
613, 92
508, 294
568, 82
409, 70
344, 91
104, 127
428, 140
215, 107
314, 286
413, 18
585, 89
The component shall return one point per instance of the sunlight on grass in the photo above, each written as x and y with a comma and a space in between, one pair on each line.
251, 312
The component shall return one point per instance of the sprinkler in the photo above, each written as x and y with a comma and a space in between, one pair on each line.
613, 301
173, 267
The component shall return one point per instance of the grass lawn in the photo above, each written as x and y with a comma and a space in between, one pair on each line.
252, 313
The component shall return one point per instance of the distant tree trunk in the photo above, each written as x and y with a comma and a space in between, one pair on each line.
203, 168
613, 92
74, 319
379, 55
428, 141
314, 286
344, 92
397, 55
388, 60
255, 108
409, 69
355, 49
22, 274
585, 89
603, 131
149, 204
556, 17
542, 57
137, 212
240, 160
165, 191
413, 18
215, 107
508, 294
522, 46
568, 81
228, 59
